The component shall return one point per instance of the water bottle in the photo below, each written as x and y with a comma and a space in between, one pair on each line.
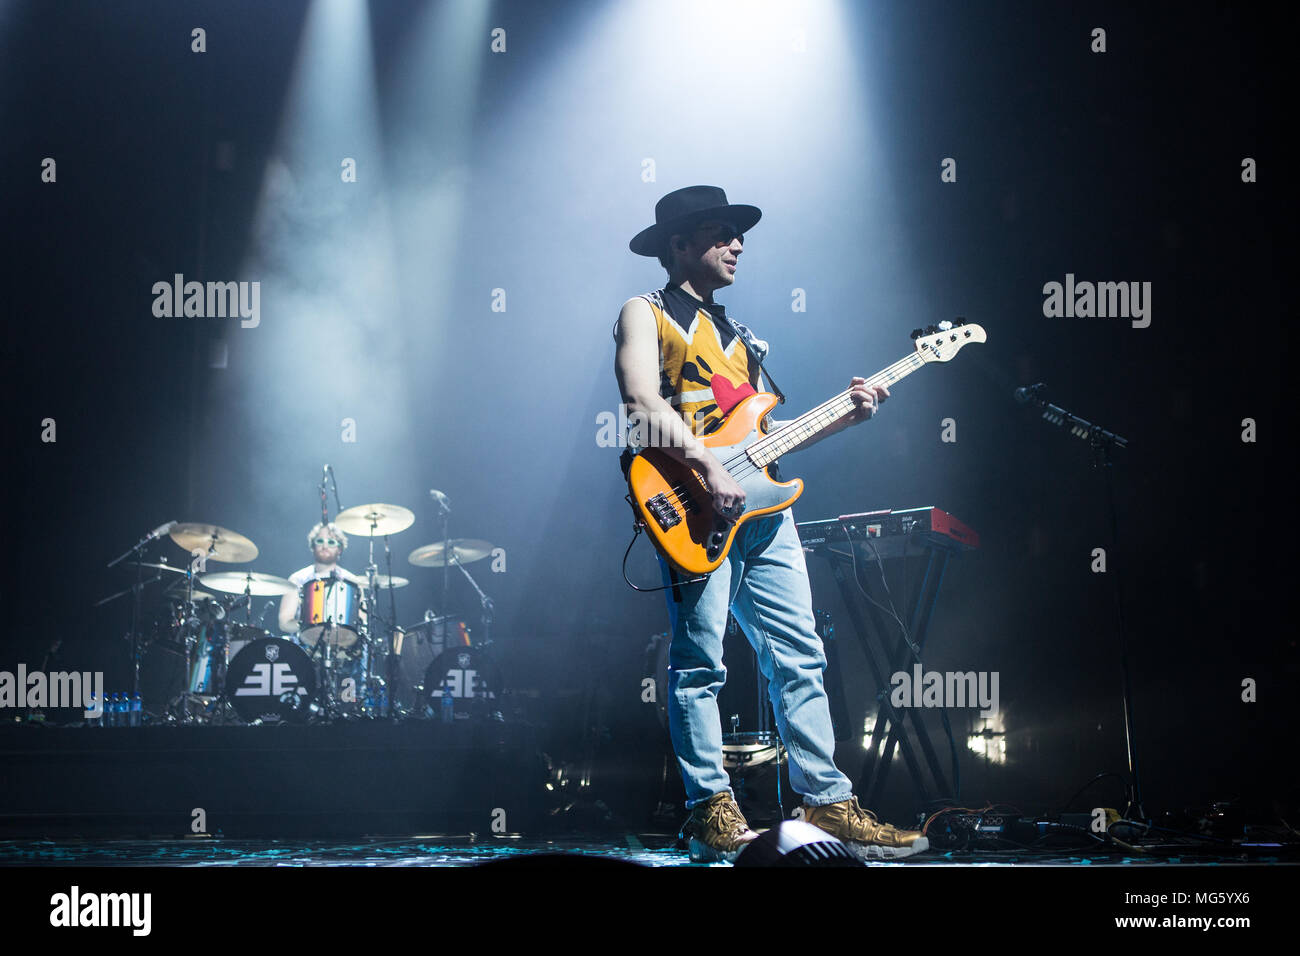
94, 721
118, 710
137, 710
448, 703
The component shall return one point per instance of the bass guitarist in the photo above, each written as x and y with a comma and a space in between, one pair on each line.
682, 364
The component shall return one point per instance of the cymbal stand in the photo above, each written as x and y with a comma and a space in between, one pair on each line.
376, 626
190, 628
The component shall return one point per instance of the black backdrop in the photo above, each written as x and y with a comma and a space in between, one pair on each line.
1120, 167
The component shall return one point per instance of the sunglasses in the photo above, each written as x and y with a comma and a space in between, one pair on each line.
326, 542
725, 233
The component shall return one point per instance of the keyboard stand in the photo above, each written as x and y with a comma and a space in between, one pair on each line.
872, 628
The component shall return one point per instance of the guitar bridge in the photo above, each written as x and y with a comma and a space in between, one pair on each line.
665, 513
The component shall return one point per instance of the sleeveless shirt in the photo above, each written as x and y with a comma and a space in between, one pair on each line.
704, 368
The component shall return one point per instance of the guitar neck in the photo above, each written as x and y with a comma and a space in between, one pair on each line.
794, 433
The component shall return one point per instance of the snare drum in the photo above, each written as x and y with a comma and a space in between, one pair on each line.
332, 607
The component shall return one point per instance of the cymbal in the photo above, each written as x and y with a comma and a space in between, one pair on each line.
382, 581
230, 546
176, 591
162, 566
463, 551
373, 521
257, 584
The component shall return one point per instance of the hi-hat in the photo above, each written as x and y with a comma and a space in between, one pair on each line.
373, 521
254, 582
463, 551
383, 581
161, 566
228, 546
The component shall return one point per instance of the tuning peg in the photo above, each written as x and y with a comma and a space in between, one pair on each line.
917, 333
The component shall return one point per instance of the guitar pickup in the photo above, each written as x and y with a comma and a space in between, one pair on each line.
662, 510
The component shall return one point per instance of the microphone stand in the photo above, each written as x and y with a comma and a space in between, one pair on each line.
485, 602
1102, 443
135, 598
446, 554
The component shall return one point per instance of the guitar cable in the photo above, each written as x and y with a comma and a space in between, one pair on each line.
637, 527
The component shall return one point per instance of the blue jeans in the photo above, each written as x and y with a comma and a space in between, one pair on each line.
764, 582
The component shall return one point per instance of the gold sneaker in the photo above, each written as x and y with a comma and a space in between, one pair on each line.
717, 829
866, 836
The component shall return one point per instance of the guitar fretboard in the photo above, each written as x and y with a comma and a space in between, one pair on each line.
794, 433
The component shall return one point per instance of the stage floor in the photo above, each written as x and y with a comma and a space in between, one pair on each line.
644, 849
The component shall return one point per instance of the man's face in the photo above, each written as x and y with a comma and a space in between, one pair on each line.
713, 250
326, 548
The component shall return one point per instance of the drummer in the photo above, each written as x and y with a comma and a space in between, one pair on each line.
327, 544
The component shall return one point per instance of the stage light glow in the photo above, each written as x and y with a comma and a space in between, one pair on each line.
989, 741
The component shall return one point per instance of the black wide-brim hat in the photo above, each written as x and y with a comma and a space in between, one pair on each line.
682, 208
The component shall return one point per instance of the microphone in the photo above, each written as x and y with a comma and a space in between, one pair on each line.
161, 530
440, 499
1029, 393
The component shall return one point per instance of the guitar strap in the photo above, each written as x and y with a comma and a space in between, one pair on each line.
751, 346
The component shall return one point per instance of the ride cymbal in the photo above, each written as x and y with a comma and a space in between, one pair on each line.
374, 520
463, 551
228, 546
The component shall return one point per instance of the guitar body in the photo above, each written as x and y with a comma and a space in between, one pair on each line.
676, 508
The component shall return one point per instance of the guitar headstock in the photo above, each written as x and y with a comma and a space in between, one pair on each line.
939, 343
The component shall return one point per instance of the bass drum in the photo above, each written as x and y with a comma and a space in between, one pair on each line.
271, 680
468, 675
411, 652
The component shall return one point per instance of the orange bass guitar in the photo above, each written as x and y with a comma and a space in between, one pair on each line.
675, 507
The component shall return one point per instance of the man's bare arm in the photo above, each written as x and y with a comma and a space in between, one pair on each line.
636, 364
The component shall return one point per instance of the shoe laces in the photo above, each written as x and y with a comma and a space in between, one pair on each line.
729, 818
862, 818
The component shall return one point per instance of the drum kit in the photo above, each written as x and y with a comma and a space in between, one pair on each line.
196, 664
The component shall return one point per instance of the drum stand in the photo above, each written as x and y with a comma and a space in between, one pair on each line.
325, 672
